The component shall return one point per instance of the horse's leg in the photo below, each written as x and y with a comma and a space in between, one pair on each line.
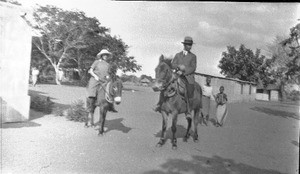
174, 124
92, 120
88, 122
90, 109
196, 122
187, 135
164, 128
102, 112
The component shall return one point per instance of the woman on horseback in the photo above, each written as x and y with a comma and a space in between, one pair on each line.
100, 75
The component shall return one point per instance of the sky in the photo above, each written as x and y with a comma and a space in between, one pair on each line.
154, 28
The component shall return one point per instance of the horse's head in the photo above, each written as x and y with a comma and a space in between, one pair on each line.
163, 74
115, 90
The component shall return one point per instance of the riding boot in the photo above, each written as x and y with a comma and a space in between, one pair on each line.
188, 107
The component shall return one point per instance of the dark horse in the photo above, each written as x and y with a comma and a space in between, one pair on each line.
174, 102
107, 94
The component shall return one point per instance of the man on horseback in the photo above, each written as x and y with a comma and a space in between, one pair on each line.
100, 75
184, 64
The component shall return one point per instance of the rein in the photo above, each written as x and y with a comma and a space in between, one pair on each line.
165, 86
105, 89
172, 80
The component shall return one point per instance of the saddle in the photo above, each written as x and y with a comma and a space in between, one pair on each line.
179, 87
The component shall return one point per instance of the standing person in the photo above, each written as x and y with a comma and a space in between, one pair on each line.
221, 100
34, 75
185, 64
100, 75
207, 94
60, 74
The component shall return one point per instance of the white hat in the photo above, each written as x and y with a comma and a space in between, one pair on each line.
104, 51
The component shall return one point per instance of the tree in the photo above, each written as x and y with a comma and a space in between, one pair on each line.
143, 76
63, 32
292, 48
277, 65
12, 2
243, 64
70, 38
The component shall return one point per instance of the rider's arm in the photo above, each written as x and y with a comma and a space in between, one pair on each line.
92, 72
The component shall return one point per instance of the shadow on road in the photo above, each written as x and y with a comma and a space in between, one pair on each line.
28, 123
214, 165
295, 143
33, 114
180, 132
116, 124
275, 112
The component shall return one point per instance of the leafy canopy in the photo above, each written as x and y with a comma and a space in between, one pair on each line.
242, 64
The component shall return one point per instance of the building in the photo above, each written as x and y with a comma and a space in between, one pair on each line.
145, 82
270, 93
236, 90
15, 56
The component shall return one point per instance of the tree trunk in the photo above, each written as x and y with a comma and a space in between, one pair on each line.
282, 91
57, 75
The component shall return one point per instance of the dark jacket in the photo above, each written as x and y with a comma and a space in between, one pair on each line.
190, 63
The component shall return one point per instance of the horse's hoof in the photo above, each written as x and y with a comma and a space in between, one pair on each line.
96, 127
160, 143
87, 125
196, 139
174, 144
100, 134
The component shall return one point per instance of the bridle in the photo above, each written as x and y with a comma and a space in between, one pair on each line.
109, 96
171, 80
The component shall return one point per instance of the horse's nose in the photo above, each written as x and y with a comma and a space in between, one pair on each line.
117, 100
156, 86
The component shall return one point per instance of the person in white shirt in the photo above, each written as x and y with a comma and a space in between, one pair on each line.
60, 74
34, 75
207, 94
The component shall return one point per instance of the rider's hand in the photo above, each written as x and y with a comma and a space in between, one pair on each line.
179, 72
181, 67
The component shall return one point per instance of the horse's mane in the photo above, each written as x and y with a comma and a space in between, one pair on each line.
167, 60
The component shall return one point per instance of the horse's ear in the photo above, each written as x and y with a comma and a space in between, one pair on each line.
161, 58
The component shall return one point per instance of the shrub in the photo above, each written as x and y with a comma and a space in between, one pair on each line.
58, 111
294, 95
77, 112
41, 104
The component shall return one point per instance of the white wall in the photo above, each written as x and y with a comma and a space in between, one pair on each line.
15, 53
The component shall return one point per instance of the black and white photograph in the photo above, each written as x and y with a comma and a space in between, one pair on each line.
149, 87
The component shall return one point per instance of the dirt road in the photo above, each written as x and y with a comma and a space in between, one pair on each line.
258, 137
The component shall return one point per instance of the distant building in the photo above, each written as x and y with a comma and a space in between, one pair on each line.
145, 82
236, 90
269, 93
